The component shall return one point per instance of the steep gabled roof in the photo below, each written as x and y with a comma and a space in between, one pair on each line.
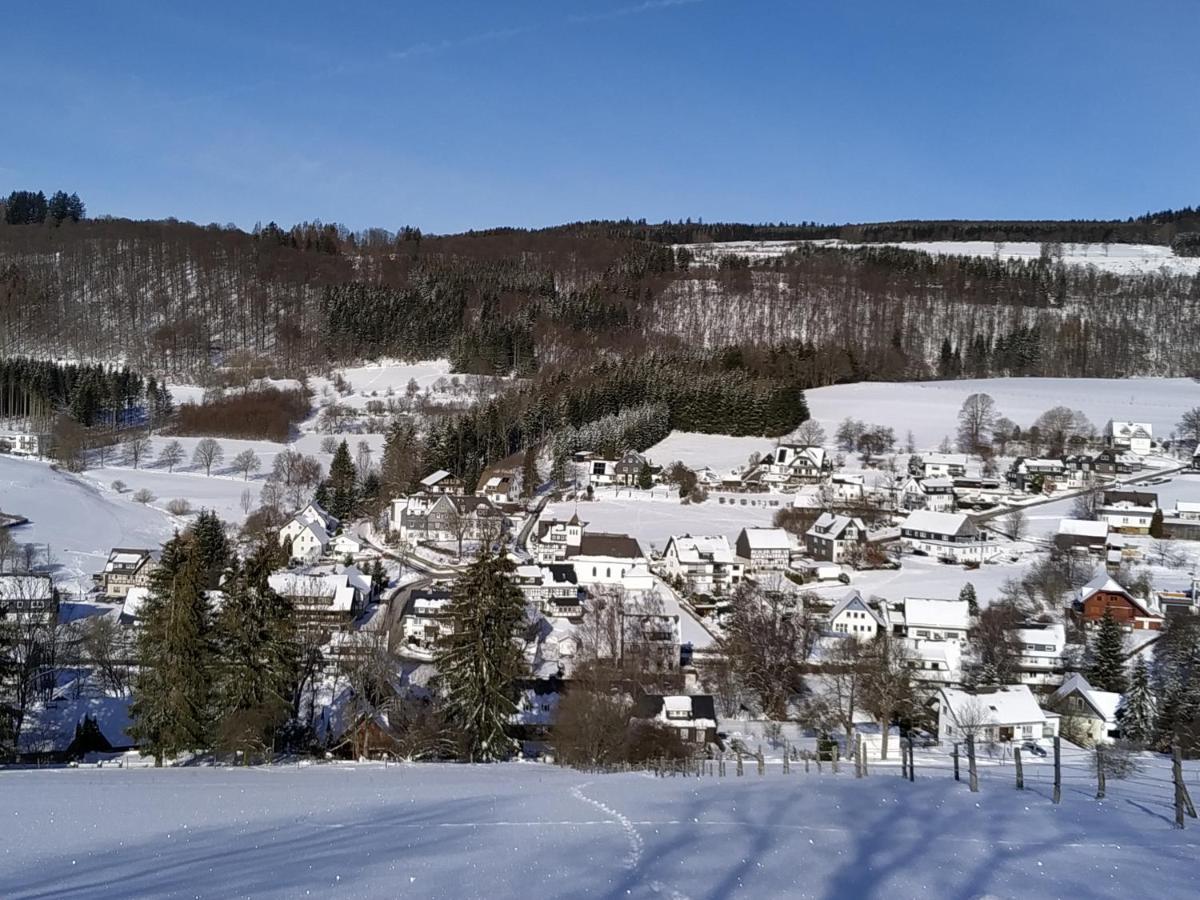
1103, 703
856, 600
1104, 583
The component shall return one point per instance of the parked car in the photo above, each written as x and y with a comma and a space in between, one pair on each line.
1033, 747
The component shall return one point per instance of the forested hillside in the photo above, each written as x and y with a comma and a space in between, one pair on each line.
168, 297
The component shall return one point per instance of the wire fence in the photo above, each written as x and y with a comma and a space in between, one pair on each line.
1157, 784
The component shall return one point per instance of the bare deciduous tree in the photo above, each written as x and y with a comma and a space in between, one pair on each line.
136, 447
171, 455
208, 453
247, 462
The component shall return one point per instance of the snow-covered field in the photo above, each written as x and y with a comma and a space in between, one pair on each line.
717, 451
527, 830
1122, 259
653, 522
79, 521
930, 408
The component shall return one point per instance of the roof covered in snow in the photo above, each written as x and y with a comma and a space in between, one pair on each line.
1103, 703
1011, 704
935, 613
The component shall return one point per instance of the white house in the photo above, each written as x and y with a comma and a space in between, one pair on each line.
553, 540
854, 616
924, 618
1083, 534
24, 443
706, 563
950, 537
441, 482
1041, 647
1089, 714
28, 598
426, 618
309, 533
600, 472
1002, 714
847, 487
1130, 511
948, 465
1137, 437
764, 549
796, 464
499, 489
935, 662
834, 538
935, 493
553, 590
1188, 510
607, 558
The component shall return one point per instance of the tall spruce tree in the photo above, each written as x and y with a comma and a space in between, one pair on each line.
1136, 712
967, 595
257, 665
481, 660
342, 491
401, 460
212, 546
1106, 667
529, 472
1176, 682
170, 709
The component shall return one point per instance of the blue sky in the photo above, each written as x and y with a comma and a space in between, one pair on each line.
453, 115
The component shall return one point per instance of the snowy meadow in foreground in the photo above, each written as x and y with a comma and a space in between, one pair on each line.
537, 831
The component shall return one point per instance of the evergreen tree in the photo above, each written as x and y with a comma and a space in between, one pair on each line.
480, 661
645, 477
212, 546
255, 634
401, 460
1136, 712
529, 472
1156, 524
968, 594
170, 709
1106, 669
1176, 682
379, 578
342, 491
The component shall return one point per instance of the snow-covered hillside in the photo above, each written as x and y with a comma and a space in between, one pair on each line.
459, 832
1122, 259
930, 408
78, 520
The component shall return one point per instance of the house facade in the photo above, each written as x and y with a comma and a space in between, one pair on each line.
1136, 437
935, 493
706, 564
951, 537
1103, 596
126, 568
764, 549
308, 533
553, 540
693, 717
835, 538
1128, 511
1041, 649
1089, 715
794, 464
1008, 713
930, 619
28, 599
854, 616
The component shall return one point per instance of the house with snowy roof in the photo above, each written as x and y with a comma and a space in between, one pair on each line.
853, 615
835, 538
925, 618
1041, 651
1037, 475
1089, 535
1089, 715
442, 482
944, 465
935, 493
935, 662
997, 714
950, 537
1136, 437
764, 549
794, 464
694, 717
1128, 511
1105, 596
308, 533
553, 540
552, 589
28, 598
125, 568
325, 597
706, 563
605, 558
425, 618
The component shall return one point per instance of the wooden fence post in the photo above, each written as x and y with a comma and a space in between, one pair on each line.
956, 778
858, 756
971, 770
1020, 770
912, 761
1057, 769
862, 755
787, 759
739, 763
762, 763
1099, 774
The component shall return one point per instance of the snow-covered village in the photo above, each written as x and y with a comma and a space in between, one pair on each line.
628, 449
